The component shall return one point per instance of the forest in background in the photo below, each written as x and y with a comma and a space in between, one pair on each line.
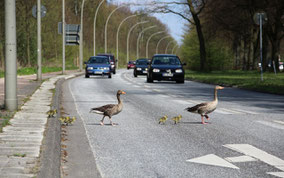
52, 41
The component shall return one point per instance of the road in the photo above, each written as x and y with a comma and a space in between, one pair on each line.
244, 137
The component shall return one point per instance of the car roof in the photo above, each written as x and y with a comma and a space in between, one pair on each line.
165, 55
142, 59
104, 54
99, 56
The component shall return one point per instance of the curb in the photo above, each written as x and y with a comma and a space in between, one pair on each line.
22, 148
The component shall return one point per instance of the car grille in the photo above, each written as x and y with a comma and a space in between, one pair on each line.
167, 70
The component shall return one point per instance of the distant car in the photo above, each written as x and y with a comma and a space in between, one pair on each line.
141, 67
165, 67
112, 61
98, 65
130, 65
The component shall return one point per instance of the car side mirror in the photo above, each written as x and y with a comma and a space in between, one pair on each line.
184, 64
85, 62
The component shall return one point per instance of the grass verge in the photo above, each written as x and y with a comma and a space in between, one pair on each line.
242, 79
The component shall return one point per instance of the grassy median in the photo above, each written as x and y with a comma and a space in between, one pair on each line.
242, 79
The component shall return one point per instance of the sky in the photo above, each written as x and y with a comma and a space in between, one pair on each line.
174, 23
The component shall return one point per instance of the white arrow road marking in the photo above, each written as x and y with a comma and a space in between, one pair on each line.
279, 122
277, 174
271, 124
239, 159
258, 154
213, 160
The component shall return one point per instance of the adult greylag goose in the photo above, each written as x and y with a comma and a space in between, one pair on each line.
110, 109
205, 108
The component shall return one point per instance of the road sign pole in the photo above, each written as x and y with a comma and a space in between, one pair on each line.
81, 38
11, 101
260, 40
63, 36
39, 76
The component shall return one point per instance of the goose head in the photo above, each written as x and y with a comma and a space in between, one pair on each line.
219, 87
120, 92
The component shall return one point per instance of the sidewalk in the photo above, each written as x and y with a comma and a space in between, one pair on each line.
20, 142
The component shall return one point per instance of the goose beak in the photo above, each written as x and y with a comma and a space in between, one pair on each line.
123, 93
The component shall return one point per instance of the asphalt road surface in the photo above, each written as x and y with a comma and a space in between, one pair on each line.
244, 136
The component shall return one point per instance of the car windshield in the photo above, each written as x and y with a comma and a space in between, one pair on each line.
141, 62
98, 60
166, 60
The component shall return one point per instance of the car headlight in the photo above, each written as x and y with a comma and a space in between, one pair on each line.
138, 68
178, 70
90, 68
146, 69
156, 70
112, 66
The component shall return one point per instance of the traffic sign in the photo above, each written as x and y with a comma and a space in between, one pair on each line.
42, 11
71, 33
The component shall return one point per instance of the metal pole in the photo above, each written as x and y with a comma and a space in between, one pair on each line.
147, 44
81, 37
138, 39
39, 77
260, 40
63, 36
95, 20
166, 51
174, 48
128, 36
117, 33
157, 47
11, 101
107, 24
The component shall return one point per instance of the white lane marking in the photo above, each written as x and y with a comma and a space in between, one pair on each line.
256, 153
271, 124
221, 111
239, 159
156, 90
213, 160
277, 174
245, 111
147, 90
147, 86
279, 122
181, 101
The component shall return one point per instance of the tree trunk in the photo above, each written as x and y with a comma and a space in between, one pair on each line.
202, 49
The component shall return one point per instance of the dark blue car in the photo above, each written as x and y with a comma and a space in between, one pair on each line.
141, 67
98, 65
165, 67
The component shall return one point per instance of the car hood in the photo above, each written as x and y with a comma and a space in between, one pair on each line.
142, 66
98, 65
167, 66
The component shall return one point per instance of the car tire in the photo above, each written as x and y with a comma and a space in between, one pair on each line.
87, 76
135, 74
114, 71
109, 75
180, 81
149, 79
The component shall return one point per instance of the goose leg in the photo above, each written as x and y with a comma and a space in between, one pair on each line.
202, 120
102, 121
111, 122
207, 117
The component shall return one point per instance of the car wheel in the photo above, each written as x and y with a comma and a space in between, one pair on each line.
109, 75
114, 71
87, 76
127, 68
180, 81
149, 79
135, 74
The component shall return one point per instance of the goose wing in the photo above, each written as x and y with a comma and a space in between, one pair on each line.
197, 107
102, 109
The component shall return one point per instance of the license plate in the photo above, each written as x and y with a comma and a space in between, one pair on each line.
145, 72
98, 72
168, 74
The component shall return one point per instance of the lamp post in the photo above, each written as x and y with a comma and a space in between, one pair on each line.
174, 48
166, 50
95, 20
138, 39
11, 101
63, 36
117, 33
147, 44
128, 36
157, 47
81, 37
107, 24
39, 77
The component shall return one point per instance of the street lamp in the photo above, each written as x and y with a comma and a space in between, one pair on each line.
107, 24
157, 47
147, 44
174, 48
166, 51
128, 36
117, 33
95, 20
63, 36
81, 37
138, 39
